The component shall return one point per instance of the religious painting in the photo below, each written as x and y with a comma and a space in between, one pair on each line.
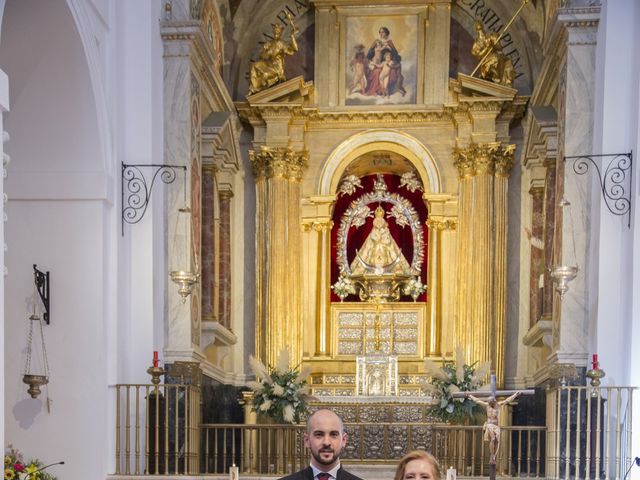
381, 60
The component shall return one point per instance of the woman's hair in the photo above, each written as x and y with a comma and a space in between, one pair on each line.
418, 455
385, 29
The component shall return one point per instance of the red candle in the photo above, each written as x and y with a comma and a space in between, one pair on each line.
595, 361
155, 358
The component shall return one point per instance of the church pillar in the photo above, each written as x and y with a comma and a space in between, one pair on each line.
484, 170
464, 273
224, 270
442, 222
537, 254
504, 158
434, 283
278, 171
182, 130
549, 222
323, 327
209, 244
571, 314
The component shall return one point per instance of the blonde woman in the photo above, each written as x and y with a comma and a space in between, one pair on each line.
418, 465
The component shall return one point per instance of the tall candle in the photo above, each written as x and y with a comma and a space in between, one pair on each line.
155, 358
451, 473
595, 361
234, 472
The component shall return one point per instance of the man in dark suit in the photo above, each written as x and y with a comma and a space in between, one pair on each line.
325, 437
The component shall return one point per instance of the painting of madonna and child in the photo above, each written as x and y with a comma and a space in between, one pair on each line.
381, 60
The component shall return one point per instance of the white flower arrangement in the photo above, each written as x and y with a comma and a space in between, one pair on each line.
414, 288
455, 377
343, 287
280, 392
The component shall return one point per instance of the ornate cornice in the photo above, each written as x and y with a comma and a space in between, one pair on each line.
256, 114
182, 30
279, 162
337, 118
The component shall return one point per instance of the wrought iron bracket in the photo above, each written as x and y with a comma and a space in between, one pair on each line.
42, 285
615, 179
136, 189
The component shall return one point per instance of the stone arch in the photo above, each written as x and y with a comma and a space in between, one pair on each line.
380, 139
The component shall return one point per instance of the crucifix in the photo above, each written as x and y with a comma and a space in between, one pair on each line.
492, 408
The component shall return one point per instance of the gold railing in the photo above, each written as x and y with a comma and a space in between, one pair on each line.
589, 433
157, 429
279, 449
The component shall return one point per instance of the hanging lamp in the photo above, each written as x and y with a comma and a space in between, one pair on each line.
30, 377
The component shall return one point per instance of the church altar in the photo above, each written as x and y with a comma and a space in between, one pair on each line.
378, 409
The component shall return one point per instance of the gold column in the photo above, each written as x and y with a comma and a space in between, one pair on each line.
503, 165
465, 259
435, 291
278, 172
323, 288
480, 329
436, 225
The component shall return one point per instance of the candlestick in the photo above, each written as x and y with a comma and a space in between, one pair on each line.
155, 358
595, 374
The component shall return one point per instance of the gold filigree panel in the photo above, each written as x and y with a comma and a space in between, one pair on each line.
396, 328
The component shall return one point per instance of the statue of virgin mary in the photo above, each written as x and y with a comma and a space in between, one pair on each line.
380, 254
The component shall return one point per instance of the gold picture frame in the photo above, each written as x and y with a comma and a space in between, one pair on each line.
382, 57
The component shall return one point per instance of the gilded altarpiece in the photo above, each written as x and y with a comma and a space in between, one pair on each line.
452, 124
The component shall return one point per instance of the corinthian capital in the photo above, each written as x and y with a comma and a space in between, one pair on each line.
483, 159
442, 223
504, 160
279, 162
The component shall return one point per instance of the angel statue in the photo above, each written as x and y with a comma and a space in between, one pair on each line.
494, 66
269, 69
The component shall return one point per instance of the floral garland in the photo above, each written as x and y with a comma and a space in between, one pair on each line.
455, 376
15, 468
281, 393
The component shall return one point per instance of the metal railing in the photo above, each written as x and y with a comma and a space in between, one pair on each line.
279, 449
589, 433
157, 429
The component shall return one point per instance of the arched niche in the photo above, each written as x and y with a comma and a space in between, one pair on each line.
379, 140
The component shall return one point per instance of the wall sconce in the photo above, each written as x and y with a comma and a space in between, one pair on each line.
138, 192
615, 179
42, 285
36, 380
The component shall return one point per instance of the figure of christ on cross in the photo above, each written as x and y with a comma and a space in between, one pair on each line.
491, 427
492, 408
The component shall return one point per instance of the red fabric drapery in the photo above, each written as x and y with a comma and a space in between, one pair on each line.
356, 236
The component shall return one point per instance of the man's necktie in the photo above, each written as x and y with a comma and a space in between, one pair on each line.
323, 476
